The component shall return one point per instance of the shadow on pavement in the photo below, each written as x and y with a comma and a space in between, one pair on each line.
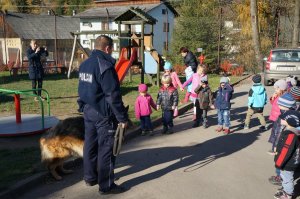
193, 157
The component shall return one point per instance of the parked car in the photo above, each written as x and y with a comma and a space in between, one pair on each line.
281, 63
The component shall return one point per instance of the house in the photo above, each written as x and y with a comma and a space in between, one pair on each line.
100, 20
48, 30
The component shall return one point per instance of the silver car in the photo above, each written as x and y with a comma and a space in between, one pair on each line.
281, 63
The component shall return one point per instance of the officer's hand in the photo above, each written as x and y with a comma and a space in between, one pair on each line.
123, 125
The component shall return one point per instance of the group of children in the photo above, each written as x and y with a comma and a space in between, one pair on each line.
198, 92
284, 138
284, 114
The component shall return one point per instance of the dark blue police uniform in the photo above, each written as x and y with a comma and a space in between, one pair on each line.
101, 102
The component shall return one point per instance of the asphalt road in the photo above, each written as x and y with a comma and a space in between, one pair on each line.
192, 163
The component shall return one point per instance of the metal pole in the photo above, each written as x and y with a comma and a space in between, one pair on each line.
4, 32
129, 51
18, 108
55, 43
219, 39
142, 53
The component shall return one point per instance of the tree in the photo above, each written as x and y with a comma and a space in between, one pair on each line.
295, 39
243, 39
6, 5
23, 6
36, 6
255, 35
197, 27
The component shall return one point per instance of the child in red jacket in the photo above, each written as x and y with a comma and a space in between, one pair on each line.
143, 110
287, 157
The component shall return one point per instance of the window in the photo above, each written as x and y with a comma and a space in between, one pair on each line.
89, 24
166, 27
163, 11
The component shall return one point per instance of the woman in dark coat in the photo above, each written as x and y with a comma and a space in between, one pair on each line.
189, 58
36, 71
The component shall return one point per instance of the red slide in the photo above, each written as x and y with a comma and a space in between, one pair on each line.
124, 64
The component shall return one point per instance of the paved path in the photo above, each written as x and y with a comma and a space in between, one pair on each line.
191, 163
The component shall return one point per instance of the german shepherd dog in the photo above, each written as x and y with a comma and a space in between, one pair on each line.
62, 142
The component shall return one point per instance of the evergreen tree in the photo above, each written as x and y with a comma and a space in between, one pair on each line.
197, 27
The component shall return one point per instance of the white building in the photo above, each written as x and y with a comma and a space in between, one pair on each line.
99, 20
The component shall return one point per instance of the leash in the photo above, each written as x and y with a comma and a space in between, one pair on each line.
119, 136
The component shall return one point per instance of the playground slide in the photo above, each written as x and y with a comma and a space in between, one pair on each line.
124, 64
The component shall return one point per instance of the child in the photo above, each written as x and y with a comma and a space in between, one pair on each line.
291, 81
295, 91
280, 87
256, 101
188, 74
203, 101
195, 80
143, 110
222, 104
287, 158
169, 71
285, 102
167, 100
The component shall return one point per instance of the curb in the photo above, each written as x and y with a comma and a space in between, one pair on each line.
24, 185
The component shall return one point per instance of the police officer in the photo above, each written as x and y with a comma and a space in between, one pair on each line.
101, 102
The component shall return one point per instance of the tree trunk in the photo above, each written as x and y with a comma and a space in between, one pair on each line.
255, 35
296, 25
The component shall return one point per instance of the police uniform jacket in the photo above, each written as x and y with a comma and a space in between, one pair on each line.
99, 86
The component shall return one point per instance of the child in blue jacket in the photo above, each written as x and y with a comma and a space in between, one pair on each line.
256, 101
223, 105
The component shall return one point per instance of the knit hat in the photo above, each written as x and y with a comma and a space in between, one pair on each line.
143, 88
256, 78
286, 100
295, 91
292, 117
168, 66
281, 84
166, 79
224, 80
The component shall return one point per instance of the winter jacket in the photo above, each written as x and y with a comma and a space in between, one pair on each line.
204, 96
275, 111
99, 86
175, 80
257, 98
191, 60
223, 98
195, 80
36, 70
288, 156
167, 97
188, 74
143, 105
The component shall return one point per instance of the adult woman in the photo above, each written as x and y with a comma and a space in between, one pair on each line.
189, 58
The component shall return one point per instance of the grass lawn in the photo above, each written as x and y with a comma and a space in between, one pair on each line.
21, 163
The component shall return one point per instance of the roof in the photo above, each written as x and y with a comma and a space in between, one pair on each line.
31, 26
135, 13
114, 11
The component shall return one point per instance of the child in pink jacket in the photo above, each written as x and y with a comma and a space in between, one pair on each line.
280, 87
196, 81
143, 110
169, 71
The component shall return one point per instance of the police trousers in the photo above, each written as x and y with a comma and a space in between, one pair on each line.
98, 158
